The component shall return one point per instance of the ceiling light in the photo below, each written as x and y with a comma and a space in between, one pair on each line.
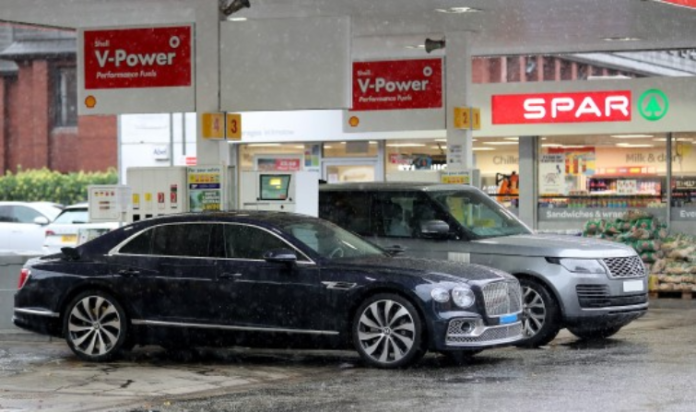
678, 139
565, 146
236, 19
458, 10
482, 149
621, 38
633, 145
440, 140
326, 146
501, 143
631, 136
415, 46
264, 145
512, 138
230, 7
432, 45
406, 145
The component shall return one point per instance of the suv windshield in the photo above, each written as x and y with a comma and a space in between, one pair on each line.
479, 214
330, 241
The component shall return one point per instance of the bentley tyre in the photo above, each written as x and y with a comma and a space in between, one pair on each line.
388, 331
95, 326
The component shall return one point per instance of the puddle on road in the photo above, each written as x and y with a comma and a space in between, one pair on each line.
476, 379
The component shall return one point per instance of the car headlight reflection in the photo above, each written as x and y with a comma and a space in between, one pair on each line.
587, 267
463, 297
440, 295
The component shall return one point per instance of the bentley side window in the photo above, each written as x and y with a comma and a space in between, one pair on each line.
192, 240
248, 242
140, 245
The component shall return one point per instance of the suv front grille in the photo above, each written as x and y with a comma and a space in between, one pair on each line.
626, 267
502, 298
597, 296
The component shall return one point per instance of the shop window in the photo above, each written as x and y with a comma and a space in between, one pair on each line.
584, 178
65, 97
351, 149
683, 186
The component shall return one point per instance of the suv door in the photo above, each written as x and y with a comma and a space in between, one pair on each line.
399, 217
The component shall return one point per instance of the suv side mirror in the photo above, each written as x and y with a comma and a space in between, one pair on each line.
42, 221
433, 229
280, 256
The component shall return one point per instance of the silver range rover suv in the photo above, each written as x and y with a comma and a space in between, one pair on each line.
591, 287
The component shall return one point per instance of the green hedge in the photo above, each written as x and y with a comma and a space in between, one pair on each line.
52, 186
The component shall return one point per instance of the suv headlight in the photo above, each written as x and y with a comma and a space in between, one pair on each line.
463, 297
588, 267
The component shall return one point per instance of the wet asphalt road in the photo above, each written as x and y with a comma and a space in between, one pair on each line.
649, 366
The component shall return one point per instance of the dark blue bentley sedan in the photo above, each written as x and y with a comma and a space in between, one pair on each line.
262, 279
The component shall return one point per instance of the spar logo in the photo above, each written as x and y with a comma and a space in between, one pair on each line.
397, 84
572, 107
138, 57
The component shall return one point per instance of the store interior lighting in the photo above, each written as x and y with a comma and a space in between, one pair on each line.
406, 145
631, 145
458, 10
504, 143
482, 149
631, 136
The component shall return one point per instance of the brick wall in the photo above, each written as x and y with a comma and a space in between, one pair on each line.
27, 136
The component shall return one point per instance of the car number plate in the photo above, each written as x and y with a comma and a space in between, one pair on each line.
68, 238
633, 286
508, 319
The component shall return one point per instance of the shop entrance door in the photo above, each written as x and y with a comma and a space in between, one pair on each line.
352, 170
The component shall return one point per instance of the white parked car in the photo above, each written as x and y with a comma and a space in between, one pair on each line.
66, 229
23, 225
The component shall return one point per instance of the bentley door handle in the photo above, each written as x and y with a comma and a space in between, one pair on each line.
229, 276
128, 272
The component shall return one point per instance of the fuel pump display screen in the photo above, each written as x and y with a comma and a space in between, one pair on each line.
275, 187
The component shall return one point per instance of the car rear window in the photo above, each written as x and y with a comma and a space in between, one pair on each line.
73, 216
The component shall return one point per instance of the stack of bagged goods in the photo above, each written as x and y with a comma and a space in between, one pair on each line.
677, 271
637, 229
671, 258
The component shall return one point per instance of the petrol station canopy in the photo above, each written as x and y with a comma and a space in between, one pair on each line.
386, 28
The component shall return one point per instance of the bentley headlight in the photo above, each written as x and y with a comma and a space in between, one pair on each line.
463, 297
583, 266
440, 295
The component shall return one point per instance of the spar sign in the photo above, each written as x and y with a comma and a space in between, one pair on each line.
570, 107
397, 85
137, 57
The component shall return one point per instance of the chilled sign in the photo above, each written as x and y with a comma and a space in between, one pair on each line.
573, 107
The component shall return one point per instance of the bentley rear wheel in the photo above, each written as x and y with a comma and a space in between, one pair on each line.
95, 326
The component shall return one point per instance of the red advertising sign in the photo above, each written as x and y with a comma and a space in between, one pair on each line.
397, 85
684, 3
142, 57
574, 107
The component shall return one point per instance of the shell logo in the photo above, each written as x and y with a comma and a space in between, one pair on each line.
90, 102
354, 121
